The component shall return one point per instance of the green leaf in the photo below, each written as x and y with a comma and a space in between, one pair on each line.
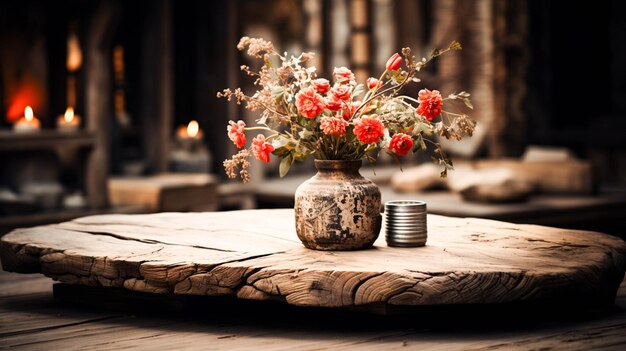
277, 93
395, 158
302, 152
285, 165
358, 90
305, 134
468, 103
419, 144
283, 146
455, 45
280, 141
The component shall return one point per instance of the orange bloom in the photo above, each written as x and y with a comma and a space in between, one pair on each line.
369, 129
401, 144
236, 133
333, 126
373, 83
261, 149
394, 62
350, 109
341, 92
308, 103
343, 75
321, 85
430, 103
332, 104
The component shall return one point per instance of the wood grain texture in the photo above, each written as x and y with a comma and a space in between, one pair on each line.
256, 255
31, 319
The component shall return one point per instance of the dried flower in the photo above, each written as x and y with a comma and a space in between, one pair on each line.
256, 47
239, 160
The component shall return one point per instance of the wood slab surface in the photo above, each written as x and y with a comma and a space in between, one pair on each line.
256, 255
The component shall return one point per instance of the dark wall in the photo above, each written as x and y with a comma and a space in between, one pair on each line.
577, 80
203, 37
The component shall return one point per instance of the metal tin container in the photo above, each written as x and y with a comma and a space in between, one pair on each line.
405, 223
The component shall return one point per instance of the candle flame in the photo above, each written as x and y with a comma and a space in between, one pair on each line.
69, 114
74, 53
192, 129
28, 113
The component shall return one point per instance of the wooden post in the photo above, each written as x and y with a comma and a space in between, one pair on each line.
157, 94
98, 112
471, 69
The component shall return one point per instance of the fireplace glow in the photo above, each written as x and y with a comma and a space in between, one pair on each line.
26, 91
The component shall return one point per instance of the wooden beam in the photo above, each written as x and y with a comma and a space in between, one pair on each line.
157, 85
98, 110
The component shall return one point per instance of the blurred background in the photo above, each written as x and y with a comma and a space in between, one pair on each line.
110, 106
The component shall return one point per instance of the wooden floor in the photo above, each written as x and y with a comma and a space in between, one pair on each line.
32, 319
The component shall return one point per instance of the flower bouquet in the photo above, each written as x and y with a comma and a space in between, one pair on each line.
305, 116
339, 124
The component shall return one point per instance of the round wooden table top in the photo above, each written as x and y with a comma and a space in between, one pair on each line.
256, 254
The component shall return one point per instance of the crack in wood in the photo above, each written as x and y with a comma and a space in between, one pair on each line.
145, 241
360, 283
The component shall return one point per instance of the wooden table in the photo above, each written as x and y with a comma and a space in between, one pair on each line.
256, 255
32, 319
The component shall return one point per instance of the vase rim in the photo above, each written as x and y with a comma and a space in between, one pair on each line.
337, 164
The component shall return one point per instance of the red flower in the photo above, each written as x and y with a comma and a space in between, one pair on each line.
333, 126
343, 75
321, 85
236, 133
261, 149
333, 104
350, 109
309, 103
394, 62
341, 92
369, 129
401, 144
373, 83
430, 103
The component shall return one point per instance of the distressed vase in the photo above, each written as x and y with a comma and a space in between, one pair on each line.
337, 209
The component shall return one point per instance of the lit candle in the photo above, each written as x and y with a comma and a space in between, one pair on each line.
68, 122
27, 123
191, 131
